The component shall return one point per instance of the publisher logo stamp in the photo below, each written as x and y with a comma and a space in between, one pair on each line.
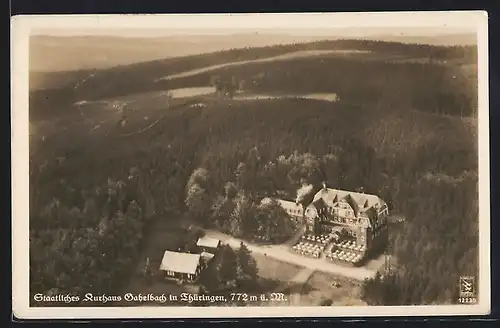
467, 289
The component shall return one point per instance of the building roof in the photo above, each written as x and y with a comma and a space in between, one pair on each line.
358, 201
289, 205
285, 204
319, 203
208, 242
207, 255
180, 262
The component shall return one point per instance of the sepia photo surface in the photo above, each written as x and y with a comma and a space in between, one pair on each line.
257, 165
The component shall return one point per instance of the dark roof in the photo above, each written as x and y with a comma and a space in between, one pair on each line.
352, 202
319, 202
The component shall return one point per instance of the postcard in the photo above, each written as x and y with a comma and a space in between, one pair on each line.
250, 165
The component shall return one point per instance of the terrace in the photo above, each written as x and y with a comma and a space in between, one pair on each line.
344, 256
350, 245
346, 251
312, 246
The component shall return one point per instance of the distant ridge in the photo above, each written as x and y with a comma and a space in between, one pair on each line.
65, 53
445, 40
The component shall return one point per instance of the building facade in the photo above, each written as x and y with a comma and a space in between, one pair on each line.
293, 209
183, 266
357, 217
358, 221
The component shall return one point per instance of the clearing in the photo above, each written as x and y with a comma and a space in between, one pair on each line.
320, 287
331, 97
292, 55
273, 274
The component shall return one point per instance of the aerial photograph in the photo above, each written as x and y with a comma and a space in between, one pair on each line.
256, 168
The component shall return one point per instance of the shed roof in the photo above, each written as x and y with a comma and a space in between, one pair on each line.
208, 242
207, 255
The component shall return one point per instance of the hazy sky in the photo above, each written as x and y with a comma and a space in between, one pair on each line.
332, 32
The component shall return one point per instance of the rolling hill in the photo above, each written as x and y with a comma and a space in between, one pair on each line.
64, 52
52, 92
69, 53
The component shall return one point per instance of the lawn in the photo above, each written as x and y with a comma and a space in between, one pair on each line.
277, 272
320, 287
274, 275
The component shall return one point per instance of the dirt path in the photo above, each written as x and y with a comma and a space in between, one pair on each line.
297, 54
282, 253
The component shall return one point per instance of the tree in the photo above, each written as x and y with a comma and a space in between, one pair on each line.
230, 190
197, 201
225, 265
209, 279
241, 216
215, 81
201, 177
275, 225
221, 87
246, 271
242, 176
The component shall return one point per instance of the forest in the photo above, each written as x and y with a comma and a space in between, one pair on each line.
231, 269
237, 211
432, 88
210, 161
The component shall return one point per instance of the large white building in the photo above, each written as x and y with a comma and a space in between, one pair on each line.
356, 217
361, 216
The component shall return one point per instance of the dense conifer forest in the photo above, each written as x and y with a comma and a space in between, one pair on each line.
91, 197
